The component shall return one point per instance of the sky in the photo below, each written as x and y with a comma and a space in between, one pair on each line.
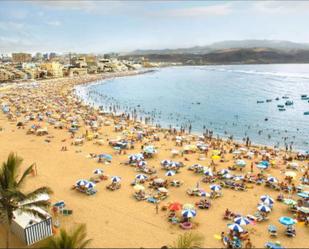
123, 26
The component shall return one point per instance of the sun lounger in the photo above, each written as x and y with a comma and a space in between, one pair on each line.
271, 245
152, 200
67, 212
272, 230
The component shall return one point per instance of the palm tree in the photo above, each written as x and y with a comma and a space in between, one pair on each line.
188, 240
11, 196
75, 238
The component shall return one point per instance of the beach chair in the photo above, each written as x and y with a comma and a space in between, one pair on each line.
67, 212
272, 230
152, 200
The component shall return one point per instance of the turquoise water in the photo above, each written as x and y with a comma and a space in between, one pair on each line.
221, 98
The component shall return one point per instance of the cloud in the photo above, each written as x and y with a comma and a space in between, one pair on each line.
281, 7
54, 23
11, 26
202, 11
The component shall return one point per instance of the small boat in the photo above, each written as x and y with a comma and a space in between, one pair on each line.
280, 106
282, 109
306, 113
260, 101
285, 97
269, 100
305, 98
304, 95
288, 102
277, 98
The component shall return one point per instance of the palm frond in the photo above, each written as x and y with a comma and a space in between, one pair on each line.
188, 240
25, 174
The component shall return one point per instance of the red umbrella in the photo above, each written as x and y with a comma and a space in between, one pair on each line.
176, 206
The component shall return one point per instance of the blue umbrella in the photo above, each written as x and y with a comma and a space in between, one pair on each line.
272, 179
224, 171
208, 172
215, 187
287, 221
264, 208
136, 157
90, 185
98, 171
170, 173
141, 177
235, 227
262, 166
116, 179
81, 182
242, 221
165, 162
188, 213
142, 163
266, 199
266, 163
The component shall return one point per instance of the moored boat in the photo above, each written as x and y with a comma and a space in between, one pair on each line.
260, 101
306, 113
289, 102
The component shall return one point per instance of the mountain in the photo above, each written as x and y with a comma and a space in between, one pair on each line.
231, 56
243, 44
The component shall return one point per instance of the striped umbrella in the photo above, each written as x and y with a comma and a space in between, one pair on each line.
242, 221
204, 194
141, 163
264, 208
90, 185
215, 187
116, 179
170, 173
165, 162
80, 183
188, 213
208, 172
141, 177
235, 227
227, 176
224, 171
272, 179
98, 171
266, 199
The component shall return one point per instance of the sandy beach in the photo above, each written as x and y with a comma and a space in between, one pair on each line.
115, 218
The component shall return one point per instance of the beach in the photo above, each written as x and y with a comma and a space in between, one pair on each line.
114, 218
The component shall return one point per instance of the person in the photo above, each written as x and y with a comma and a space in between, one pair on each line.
251, 168
248, 244
157, 208
222, 236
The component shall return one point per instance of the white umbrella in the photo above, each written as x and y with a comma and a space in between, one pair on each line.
116, 179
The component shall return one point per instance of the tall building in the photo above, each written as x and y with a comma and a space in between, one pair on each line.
54, 69
21, 57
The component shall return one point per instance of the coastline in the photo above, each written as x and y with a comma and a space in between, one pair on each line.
115, 219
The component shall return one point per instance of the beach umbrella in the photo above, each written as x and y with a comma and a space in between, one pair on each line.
236, 152
175, 206
266, 199
204, 194
170, 173
289, 202
216, 152
163, 190
250, 154
242, 221
238, 178
304, 210
262, 166
115, 179
293, 165
215, 157
165, 162
287, 221
188, 206
150, 149
208, 172
215, 188
90, 185
141, 163
224, 171
240, 163
235, 227
290, 174
139, 187
141, 177
98, 171
266, 163
188, 213
264, 208
227, 176
81, 182
304, 194
272, 179
159, 180
136, 157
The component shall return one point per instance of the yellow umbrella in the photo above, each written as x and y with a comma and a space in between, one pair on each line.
188, 206
215, 157
216, 152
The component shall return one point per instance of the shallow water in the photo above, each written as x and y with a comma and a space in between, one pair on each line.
221, 98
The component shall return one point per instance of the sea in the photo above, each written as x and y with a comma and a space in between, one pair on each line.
237, 100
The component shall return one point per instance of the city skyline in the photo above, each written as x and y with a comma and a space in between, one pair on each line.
123, 26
